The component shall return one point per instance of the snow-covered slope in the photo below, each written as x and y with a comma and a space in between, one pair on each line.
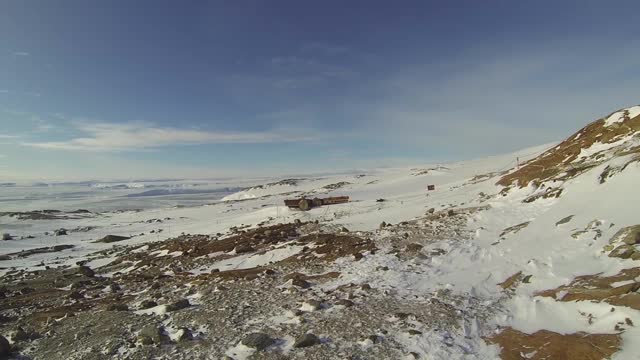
493, 236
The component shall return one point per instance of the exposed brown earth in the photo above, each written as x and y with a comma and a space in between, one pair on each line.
544, 345
600, 289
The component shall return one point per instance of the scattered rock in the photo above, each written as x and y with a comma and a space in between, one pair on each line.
19, 335
357, 256
60, 232
244, 248
75, 295
150, 333
344, 302
413, 247
451, 212
147, 304
564, 220
312, 305
117, 307
306, 340
623, 251
258, 341
86, 271
5, 347
179, 305
629, 235
112, 238
297, 221
183, 334
303, 284
383, 225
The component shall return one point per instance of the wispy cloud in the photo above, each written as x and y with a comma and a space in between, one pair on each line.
21, 53
140, 136
5, 136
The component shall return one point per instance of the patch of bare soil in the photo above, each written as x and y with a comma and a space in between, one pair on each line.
601, 289
544, 345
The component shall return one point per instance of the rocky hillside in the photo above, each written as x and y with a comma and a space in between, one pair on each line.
614, 136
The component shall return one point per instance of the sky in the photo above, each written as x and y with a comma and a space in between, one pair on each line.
195, 89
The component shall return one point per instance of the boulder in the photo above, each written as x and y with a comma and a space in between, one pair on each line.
383, 225
5, 347
629, 235
258, 341
60, 232
183, 334
345, 303
86, 271
306, 340
179, 305
6, 236
151, 332
413, 247
623, 251
117, 307
112, 238
19, 335
147, 304
244, 248
300, 283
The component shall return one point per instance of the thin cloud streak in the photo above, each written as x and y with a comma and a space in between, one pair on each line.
128, 137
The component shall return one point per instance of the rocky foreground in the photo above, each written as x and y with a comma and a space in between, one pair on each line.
175, 299
165, 299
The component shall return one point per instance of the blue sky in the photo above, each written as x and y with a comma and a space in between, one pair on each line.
121, 89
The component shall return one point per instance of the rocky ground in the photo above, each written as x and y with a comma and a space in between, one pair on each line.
167, 299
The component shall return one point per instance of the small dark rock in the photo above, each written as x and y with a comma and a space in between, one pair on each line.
357, 256
117, 307
5, 347
306, 340
258, 341
151, 333
19, 335
147, 304
60, 232
86, 271
112, 238
414, 332
244, 248
383, 225
179, 305
75, 295
300, 283
344, 302
413, 247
